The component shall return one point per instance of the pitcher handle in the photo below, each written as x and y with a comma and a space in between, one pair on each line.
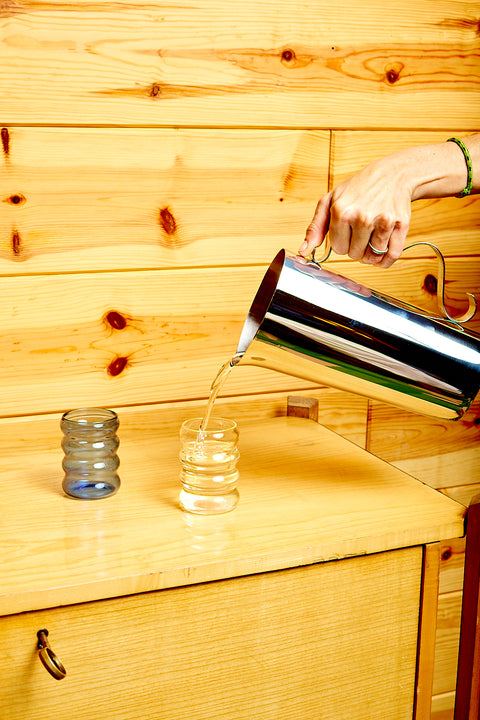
328, 251
472, 301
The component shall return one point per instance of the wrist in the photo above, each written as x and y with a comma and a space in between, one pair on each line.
437, 170
468, 162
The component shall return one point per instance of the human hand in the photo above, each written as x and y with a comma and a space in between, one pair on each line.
370, 209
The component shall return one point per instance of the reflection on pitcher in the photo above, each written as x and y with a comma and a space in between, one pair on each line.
314, 324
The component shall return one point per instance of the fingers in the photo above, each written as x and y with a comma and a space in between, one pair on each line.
341, 230
360, 237
378, 241
396, 244
318, 227
375, 239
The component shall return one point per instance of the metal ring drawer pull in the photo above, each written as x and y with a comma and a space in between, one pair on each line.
49, 660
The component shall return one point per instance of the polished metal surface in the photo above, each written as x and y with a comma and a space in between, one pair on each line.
320, 326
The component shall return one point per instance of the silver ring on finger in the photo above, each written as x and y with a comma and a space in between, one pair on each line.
377, 252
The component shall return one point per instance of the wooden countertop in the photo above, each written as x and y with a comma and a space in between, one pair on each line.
306, 495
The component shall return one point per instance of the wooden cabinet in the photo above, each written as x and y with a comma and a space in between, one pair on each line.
302, 603
306, 642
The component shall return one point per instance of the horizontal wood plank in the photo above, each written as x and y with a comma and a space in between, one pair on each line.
125, 338
106, 199
374, 64
452, 224
430, 449
442, 470
463, 494
130, 198
132, 337
341, 412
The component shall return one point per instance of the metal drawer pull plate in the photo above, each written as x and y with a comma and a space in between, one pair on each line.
49, 660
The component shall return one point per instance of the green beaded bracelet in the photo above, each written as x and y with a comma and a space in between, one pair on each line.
468, 187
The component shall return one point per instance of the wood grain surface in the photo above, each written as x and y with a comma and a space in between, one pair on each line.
144, 336
442, 454
446, 653
315, 641
104, 199
154, 158
241, 63
306, 496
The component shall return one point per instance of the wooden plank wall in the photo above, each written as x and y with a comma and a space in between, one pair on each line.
155, 156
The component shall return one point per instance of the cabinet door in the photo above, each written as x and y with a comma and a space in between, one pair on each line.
336, 640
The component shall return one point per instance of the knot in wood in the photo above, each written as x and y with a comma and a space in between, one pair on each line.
5, 135
392, 72
16, 243
17, 199
392, 76
430, 284
117, 366
167, 221
116, 320
288, 56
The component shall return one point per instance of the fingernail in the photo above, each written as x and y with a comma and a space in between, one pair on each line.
304, 246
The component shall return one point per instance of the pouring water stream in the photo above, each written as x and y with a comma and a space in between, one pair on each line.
215, 388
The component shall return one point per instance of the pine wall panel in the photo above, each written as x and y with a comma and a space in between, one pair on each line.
127, 198
388, 63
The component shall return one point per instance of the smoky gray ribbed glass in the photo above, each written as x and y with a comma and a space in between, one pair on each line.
90, 446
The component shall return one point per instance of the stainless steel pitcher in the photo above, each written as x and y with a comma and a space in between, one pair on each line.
317, 325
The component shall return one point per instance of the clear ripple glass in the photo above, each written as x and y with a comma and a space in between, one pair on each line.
209, 474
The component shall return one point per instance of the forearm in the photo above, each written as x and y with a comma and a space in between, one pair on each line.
437, 170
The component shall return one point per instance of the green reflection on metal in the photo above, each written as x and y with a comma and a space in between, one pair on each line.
367, 375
